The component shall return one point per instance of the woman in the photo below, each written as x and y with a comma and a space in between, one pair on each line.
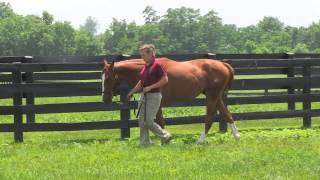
152, 78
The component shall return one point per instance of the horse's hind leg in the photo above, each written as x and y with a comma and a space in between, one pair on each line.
211, 110
228, 117
159, 119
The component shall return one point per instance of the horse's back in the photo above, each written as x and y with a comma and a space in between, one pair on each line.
196, 66
190, 78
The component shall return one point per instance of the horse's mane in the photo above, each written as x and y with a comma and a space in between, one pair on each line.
133, 64
129, 65
139, 61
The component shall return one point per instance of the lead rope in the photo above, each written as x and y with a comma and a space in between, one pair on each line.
134, 109
139, 106
145, 107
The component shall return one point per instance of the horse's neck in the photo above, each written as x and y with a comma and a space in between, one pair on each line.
129, 71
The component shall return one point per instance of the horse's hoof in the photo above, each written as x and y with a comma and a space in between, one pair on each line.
200, 141
236, 136
202, 138
166, 141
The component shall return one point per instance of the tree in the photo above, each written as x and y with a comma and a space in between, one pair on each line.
47, 18
64, 38
86, 44
121, 38
181, 27
312, 36
20, 35
270, 24
230, 39
180, 30
250, 46
210, 27
276, 42
5, 10
90, 25
150, 15
301, 48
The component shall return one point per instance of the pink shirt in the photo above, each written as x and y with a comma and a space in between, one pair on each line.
151, 74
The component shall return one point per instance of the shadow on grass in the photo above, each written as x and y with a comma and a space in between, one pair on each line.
177, 138
277, 129
83, 141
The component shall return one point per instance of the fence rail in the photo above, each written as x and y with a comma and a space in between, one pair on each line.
29, 78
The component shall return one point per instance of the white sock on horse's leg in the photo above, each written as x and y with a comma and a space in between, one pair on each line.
202, 138
103, 78
235, 131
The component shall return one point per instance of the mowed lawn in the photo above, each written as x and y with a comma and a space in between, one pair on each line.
268, 149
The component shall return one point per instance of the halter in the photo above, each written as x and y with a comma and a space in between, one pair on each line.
103, 78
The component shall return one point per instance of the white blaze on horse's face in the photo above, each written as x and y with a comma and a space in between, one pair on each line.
103, 78
108, 82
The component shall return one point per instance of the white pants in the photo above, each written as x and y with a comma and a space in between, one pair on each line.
146, 120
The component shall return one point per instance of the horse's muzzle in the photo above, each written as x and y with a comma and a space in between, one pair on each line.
107, 99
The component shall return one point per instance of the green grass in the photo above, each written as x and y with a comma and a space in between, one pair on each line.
280, 153
268, 149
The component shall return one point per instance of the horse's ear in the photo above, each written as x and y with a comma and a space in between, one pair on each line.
105, 65
105, 62
111, 65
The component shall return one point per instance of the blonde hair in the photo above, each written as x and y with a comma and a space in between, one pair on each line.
150, 47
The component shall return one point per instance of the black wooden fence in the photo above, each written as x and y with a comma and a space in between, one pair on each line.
32, 77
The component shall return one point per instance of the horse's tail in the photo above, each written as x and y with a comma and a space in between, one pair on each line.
231, 70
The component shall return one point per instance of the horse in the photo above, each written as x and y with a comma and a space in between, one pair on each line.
186, 80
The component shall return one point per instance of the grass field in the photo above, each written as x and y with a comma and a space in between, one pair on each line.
268, 149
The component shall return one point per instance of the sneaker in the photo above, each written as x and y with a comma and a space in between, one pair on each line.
166, 141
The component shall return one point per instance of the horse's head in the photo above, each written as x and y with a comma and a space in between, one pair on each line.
110, 82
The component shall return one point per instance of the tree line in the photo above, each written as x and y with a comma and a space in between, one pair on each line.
178, 31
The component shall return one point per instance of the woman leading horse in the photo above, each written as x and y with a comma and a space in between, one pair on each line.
186, 80
152, 78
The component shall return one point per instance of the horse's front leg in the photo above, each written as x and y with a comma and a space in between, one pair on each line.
159, 119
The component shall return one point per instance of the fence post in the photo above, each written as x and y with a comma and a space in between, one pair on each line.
17, 102
290, 74
124, 113
29, 95
211, 56
306, 92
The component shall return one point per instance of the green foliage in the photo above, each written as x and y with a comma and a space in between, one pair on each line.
47, 18
301, 48
121, 38
90, 26
179, 30
150, 15
87, 44
5, 10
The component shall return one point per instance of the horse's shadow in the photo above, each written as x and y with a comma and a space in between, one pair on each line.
184, 138
276, 129
84, 141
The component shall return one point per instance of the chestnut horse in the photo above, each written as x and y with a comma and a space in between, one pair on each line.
186, 81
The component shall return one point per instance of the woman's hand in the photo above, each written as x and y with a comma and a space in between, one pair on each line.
136, 88
129, 96
147, 89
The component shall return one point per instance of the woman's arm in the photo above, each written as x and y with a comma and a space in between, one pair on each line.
137, 88
163, 81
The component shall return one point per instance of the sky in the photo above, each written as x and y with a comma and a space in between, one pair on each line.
240, 12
